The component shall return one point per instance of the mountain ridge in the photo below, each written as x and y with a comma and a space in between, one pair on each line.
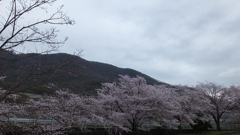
79, 75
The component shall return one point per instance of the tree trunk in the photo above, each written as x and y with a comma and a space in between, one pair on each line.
134, 129
217, 121
218, 125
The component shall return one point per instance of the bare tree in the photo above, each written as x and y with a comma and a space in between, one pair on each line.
15, 31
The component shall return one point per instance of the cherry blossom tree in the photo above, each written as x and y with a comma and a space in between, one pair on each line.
131, 104
9, 109
223, 100
194, 105
233, 116
65, 110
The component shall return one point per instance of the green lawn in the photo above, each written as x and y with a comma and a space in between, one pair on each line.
213, 133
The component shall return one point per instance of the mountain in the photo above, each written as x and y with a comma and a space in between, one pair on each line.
73, 72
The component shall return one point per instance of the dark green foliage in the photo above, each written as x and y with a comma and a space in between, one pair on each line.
201, 125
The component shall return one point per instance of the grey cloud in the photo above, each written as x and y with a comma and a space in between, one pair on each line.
172, 41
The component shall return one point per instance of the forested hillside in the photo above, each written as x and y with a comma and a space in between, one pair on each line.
75, 73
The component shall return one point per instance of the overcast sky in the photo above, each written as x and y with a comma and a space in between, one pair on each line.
174, 41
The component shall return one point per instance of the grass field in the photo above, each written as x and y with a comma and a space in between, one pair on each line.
213, 133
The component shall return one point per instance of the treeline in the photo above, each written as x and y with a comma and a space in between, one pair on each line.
128, 104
